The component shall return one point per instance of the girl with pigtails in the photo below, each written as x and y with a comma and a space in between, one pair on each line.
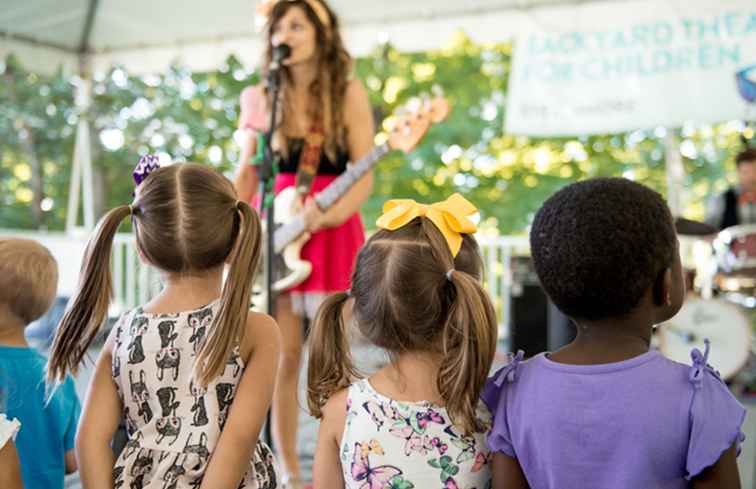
191, 371
324, 122
416, 293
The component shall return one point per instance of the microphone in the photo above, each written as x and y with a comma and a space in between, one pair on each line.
280, 53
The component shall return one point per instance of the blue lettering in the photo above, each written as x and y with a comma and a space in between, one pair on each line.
751, 25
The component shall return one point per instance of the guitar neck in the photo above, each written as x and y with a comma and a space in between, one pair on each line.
328, 196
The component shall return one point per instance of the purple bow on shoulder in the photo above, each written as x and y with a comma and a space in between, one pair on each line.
700, 364
508, 371
147, 164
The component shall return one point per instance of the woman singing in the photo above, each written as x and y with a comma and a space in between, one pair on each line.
324, 122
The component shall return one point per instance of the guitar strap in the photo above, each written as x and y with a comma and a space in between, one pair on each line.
309, 160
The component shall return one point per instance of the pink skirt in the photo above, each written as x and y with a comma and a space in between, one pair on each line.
331, 251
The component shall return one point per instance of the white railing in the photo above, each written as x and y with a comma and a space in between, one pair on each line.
135, 283
498, 252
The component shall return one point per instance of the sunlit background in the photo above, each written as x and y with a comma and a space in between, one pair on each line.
191, 116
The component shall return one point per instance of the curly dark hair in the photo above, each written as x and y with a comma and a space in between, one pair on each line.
598, 245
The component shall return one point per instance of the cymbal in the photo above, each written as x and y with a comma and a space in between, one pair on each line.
688, 227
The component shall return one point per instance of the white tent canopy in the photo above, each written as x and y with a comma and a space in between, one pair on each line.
148, 35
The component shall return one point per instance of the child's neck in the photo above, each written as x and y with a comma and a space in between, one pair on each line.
184, 292
412, 378
12, 331
608, 341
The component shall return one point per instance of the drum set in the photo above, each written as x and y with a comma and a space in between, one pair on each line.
721, 302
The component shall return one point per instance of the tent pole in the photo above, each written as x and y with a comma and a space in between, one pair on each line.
675, 172
81, 173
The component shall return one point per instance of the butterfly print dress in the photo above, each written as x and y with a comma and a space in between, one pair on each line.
173, 425
389, 444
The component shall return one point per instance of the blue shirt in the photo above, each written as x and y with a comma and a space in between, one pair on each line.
47, 430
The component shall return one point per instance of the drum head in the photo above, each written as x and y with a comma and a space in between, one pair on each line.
736, 250
726, 327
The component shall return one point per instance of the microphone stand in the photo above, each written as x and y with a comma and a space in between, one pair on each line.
267, 171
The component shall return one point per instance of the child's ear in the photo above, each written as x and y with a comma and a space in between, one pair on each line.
669, 286
662, 289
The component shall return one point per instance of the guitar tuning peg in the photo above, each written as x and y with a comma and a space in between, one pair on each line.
414, 104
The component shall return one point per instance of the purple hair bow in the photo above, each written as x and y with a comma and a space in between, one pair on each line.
147, 164
507, 372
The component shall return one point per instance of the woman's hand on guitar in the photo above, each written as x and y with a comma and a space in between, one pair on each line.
314, 218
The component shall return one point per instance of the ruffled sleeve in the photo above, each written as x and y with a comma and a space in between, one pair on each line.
716, 416
252, 113
8, 429
494, 395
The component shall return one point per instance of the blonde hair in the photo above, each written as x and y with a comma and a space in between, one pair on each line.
187, 219
28, 278
404, 301
328, 88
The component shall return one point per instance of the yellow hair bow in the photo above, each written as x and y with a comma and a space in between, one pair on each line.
449, 216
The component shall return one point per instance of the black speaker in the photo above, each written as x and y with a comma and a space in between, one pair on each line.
530, 320
536, 325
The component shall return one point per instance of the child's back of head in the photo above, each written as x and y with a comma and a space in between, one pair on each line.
187, 221
588, 415
28, 282
412, 295
600, 244
28, 279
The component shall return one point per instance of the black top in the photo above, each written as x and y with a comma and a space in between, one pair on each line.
327, 167
730, 217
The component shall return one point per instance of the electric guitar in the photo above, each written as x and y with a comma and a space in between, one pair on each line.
289, 269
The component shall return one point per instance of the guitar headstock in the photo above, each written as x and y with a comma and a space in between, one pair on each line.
411, 127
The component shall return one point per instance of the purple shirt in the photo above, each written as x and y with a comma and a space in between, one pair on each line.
647, 422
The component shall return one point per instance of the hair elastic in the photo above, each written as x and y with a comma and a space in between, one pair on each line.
449, 274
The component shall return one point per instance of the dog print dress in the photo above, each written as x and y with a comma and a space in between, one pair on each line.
172, 424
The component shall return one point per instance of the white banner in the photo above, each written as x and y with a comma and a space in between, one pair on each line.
620, 66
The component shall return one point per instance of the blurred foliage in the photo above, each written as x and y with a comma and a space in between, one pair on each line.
191, 116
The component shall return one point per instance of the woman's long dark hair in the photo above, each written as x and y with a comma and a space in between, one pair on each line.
327, 90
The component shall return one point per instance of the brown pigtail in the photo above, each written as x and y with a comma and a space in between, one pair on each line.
88, 308
330, 366
230, 323
468, 337
469, 344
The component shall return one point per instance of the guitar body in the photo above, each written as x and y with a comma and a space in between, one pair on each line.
289, 269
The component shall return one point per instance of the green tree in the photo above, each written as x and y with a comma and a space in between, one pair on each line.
192, 116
